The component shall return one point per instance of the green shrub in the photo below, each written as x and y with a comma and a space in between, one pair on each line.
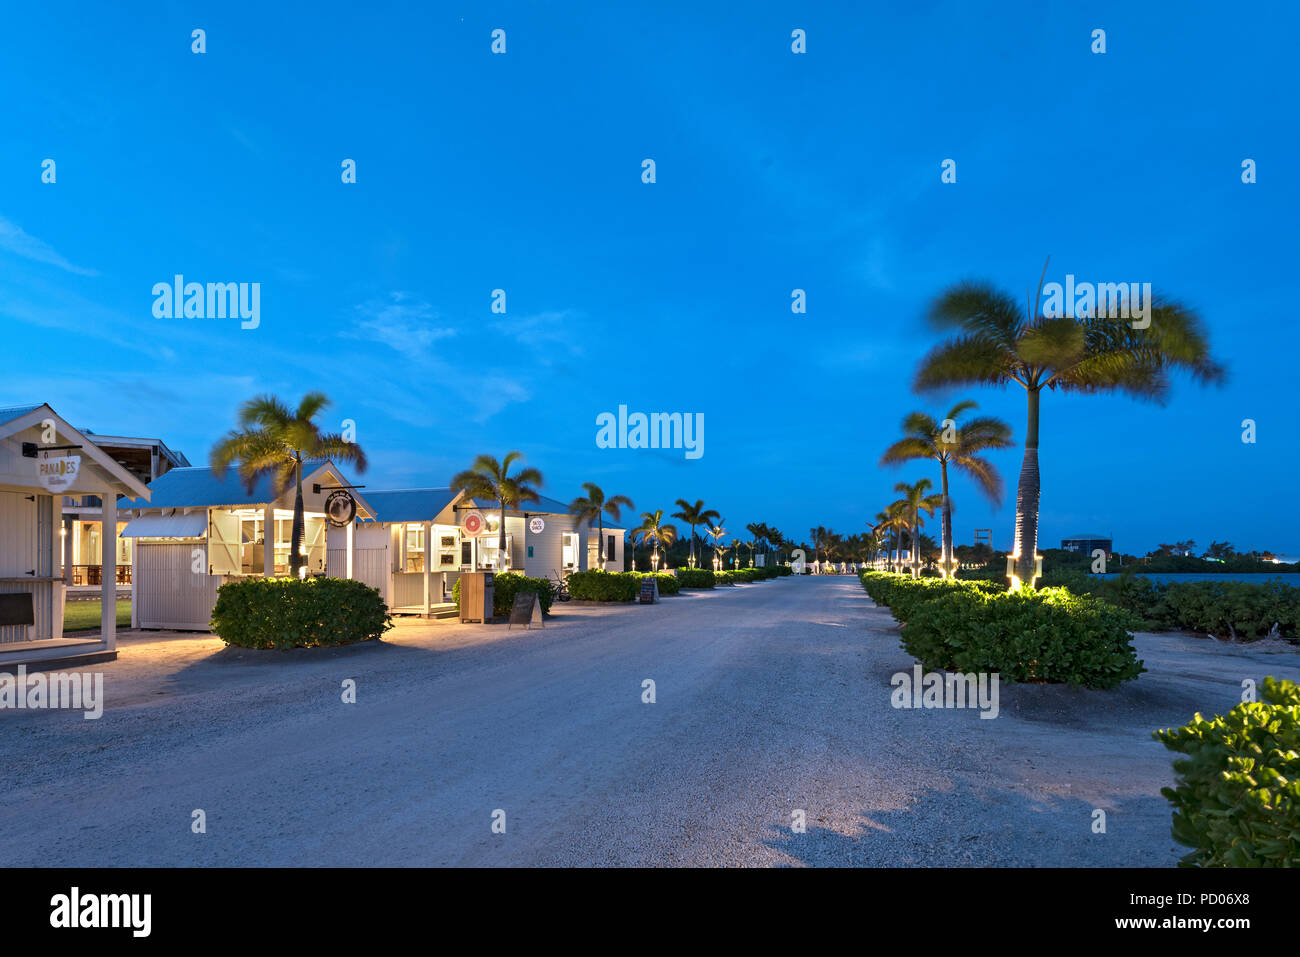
1046, 635
668, 584
506, 585
1237, 803
695, 578
784, 570
298, 613
599, 585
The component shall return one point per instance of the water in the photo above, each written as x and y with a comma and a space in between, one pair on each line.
1258, 578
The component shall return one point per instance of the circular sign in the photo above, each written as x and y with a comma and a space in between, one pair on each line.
340, 508
472, 524
535, 525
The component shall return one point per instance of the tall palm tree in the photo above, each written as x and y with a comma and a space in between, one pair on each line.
694, 514
917, 501
817, 535
898, 520
758, 532
956, 445
272, 440
653, 529
592, 508
489, 479
998, 341
717, 532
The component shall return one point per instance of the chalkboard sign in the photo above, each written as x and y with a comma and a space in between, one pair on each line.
17, 609
526, 611
649, 591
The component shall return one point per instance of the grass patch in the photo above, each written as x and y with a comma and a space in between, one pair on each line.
84, 615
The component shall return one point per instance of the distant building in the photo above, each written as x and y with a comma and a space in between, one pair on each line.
1087, 544
80, 552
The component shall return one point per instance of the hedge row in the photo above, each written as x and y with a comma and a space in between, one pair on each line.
298, 613
596, 585
1238, 801
902, 593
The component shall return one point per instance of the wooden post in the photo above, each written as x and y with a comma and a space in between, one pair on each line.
268, 540
108, 570
352, 546
428, 554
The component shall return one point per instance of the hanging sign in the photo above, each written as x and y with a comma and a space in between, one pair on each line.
340, 508
472, 524
57, 474
536, 525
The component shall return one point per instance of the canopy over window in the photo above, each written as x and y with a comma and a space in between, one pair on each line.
193, 525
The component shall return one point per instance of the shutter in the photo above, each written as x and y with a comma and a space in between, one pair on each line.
223, 543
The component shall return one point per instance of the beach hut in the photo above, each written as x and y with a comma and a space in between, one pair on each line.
42, 459
197, 530
423, 539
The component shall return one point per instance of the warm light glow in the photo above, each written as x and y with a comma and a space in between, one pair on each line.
302, 572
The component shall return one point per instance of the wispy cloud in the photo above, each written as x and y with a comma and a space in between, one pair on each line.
15, 240
409, 326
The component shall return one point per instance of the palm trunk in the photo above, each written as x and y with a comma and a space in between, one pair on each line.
1027, 495
501, 540
916, 546
947, 550
295, 547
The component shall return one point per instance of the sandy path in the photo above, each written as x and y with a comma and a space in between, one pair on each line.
770, 698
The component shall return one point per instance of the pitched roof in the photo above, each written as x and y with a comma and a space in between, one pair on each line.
409, 504
8, 415
201, 487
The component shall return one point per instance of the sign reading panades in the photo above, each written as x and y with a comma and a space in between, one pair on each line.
57, 474
536, 525
472, 524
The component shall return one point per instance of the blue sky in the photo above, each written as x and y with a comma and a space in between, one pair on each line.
775, 171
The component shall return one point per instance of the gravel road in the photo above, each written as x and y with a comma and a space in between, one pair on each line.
770, 698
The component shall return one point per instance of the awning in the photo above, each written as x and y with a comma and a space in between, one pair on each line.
193, 525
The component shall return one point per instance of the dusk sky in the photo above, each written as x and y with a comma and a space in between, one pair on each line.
775, 171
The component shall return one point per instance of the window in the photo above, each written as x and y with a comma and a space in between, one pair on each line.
414, 548
467, 552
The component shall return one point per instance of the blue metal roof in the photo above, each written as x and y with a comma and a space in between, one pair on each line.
200, 487
409, 504
8, 415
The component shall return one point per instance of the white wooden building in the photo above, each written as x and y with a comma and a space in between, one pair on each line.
43, 458
416, 547
196, 530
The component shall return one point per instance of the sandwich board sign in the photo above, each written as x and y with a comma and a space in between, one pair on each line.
649, 591
526, 611
57, 474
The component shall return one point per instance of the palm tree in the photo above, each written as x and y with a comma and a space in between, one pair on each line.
692, 515
489, 479
271, 440
916, 502
997, 344
717, 532
898, 520
958, 446
654, 530
758, 532
592, 508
